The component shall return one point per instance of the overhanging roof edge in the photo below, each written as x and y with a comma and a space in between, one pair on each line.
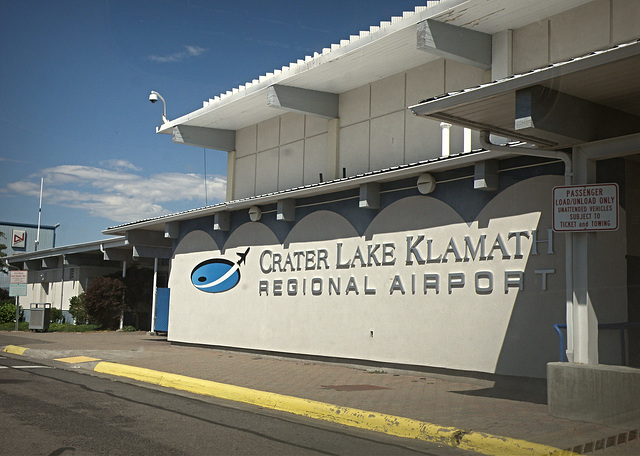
333, 52
67, 250
404, 171
522, 80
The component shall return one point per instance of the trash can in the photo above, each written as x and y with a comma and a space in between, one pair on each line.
40, 316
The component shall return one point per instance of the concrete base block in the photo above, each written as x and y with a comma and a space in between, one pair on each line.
594, 393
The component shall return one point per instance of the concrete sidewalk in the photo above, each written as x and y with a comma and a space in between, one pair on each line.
470, 407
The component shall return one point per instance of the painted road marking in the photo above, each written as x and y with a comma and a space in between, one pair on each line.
77, 359
14, 349
373, 421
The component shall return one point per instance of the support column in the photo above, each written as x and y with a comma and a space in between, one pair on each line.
446, 135
568, 262
124, 274
62, 290
155, 294
583, 320
466, 140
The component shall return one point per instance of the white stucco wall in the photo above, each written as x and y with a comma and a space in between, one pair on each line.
46, 286
376, 131
284, 152
594, 26
500, 321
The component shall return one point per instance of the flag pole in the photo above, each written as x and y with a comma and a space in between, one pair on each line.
39, 213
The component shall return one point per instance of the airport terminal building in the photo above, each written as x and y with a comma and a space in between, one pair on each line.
24, 238
438, 191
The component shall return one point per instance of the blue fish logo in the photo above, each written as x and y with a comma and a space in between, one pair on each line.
218, 274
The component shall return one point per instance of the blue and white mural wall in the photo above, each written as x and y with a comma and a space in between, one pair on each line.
414, 283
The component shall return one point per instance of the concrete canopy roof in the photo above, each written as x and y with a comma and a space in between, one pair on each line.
133, 247
384, 50
585, 99
94, 249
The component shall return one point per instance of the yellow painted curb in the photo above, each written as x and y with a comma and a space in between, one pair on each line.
373, 421
15, 350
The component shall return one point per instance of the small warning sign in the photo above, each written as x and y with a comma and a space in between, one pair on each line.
18, 283
585, 208
18, 276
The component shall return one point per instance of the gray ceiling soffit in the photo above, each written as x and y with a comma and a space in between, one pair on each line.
609, 79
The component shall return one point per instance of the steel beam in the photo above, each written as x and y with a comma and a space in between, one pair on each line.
304, 101
210, 138
455, 43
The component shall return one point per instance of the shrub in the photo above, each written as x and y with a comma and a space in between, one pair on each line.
103, 301
7, 312
60, 327
78, 310
55, 315
22, 326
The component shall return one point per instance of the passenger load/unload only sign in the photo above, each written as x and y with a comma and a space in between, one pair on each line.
18, 283
585, 208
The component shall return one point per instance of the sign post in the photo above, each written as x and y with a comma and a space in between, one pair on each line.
17, 287
579, 208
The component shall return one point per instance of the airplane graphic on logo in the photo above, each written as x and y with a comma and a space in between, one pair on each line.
218, 274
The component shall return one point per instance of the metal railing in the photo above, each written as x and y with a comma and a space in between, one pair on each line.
605, 326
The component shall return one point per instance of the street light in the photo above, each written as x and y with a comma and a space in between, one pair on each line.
153, 97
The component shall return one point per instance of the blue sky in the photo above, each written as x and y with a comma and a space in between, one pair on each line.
75, 79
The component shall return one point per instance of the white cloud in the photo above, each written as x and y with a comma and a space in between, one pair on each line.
11, 160
189, 51
118, 195
119, 164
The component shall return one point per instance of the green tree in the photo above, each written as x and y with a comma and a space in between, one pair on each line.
138, 295
7, 307
78, 309
139, 291
103, 301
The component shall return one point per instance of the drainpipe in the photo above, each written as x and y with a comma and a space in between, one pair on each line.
568, 174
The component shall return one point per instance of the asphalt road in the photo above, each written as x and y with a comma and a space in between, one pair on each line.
48, 411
